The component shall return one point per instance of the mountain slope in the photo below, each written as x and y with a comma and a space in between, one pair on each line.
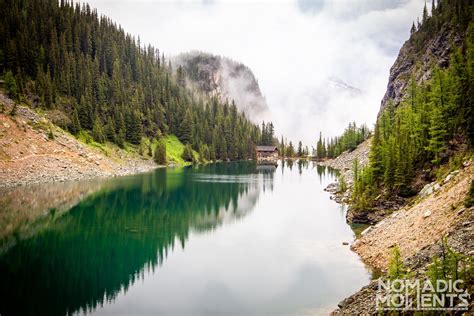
101, 81
225, 78
419, 174
430, 44
33, 150
430, 121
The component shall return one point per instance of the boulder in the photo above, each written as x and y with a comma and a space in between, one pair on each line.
429, 189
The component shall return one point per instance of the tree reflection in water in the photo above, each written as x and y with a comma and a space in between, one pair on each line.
114, 236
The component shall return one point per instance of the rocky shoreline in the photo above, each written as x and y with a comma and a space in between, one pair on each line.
418, 228
33, 151
32, 176
344, 163
436, 213
431, 216
458, 239
70, 173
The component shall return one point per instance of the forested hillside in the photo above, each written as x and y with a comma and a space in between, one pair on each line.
430, 129
350, 138
101, 81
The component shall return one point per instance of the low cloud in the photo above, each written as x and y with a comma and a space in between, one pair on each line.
294, 48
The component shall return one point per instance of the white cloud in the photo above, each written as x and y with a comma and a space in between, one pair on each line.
294, 49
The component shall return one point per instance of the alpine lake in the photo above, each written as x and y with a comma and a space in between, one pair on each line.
219, 239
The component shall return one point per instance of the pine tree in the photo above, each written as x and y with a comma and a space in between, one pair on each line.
271, 132
98, 132
300, 149
75, 126
187, 154
121, 134
290, 150
212, 153
134, 128
85, 113
186, 128
425, 14
437, 136
110, 130
355, 170
397, 268
120, 140
319, 147
375, 156
11, 86
160, 153
180, 76
282, 147
390, 163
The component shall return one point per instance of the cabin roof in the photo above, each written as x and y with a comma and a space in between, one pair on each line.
267, 148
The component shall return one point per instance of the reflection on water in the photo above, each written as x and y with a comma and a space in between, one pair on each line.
323, 170
25, 211
135, 244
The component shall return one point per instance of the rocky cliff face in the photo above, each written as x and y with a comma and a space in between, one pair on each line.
417, 57
225, 78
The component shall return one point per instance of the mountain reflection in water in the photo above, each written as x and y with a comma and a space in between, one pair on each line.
106, 242
226, 238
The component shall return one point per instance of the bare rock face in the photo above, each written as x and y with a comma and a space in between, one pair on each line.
418, 60
225, 78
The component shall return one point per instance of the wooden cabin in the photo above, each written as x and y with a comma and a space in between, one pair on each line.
267, 153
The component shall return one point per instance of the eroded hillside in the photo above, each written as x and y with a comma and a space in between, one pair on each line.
33, 150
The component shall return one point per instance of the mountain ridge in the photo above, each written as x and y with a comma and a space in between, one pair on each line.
225, 78
420, 54
417, 185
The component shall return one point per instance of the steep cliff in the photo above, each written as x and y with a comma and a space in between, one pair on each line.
429, 45
225, 78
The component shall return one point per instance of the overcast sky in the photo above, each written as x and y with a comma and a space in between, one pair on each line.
320, 63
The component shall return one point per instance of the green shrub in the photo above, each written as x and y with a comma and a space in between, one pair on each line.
450, 265
50, 133
397, 268
342, 184
84, 137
